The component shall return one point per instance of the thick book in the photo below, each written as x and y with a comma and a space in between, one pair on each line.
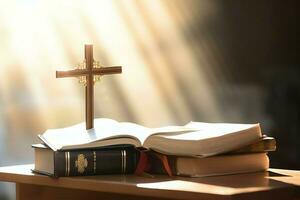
119, 159
211, 166
193, 139
85, 162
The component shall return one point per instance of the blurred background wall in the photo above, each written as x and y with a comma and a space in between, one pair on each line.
183, 60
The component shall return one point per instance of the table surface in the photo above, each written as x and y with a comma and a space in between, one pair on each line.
163, 186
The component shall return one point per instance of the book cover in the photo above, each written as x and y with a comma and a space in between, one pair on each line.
85, 162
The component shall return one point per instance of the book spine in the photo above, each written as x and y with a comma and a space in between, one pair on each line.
95, 161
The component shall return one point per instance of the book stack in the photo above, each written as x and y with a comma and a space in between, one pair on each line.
195, 149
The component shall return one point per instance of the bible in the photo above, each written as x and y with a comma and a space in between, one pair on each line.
193, 139
85, 162
124, 160
210, 166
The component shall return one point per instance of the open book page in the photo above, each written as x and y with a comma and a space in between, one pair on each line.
209, 139
208, 130
105, 132
219, 129
110, 132
199, 130
172, 130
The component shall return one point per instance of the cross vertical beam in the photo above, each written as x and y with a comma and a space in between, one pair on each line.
89, 91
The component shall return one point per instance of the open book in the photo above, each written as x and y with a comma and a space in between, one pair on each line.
192, 139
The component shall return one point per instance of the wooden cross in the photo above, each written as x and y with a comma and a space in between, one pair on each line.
89, 73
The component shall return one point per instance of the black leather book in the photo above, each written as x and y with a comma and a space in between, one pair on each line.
85, 162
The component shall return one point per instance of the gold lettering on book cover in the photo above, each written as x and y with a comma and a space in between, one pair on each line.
95, 156
81, 163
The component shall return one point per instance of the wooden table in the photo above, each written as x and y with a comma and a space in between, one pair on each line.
274, 184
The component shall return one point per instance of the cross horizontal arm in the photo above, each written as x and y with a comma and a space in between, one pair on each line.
94, 71
107, 70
